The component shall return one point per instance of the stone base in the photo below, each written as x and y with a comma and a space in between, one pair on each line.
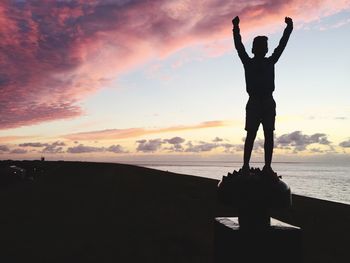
280, 242
254, 218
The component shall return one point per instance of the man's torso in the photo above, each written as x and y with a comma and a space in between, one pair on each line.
260, 77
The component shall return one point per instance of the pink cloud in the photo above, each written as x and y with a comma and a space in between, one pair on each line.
55, 53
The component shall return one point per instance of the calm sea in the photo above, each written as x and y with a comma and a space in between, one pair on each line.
320, 180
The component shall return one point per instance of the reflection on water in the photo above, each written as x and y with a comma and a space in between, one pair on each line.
319, 180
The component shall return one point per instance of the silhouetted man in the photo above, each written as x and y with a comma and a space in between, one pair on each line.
260, 84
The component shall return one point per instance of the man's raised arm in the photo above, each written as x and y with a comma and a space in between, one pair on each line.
238, 41
283, 42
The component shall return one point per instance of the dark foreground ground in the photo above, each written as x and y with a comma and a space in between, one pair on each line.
97, 212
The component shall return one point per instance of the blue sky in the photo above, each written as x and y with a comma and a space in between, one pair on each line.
193, 91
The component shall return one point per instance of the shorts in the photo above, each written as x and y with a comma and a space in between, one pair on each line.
260, 110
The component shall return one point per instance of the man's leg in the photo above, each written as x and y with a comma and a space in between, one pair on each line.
248, 147
268, 147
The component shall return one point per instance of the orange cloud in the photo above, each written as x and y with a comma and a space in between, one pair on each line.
112, 134
4, 139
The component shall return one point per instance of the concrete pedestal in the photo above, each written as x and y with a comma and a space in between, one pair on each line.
279, 243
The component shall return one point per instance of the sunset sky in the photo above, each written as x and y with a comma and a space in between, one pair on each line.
124, 80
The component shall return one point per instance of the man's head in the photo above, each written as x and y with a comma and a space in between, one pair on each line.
260, 46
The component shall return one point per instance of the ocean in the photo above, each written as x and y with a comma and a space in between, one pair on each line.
326, 181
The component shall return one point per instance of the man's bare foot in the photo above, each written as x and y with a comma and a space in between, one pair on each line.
245, 170
269, 173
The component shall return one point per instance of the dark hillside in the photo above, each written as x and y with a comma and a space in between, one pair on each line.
100, 212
